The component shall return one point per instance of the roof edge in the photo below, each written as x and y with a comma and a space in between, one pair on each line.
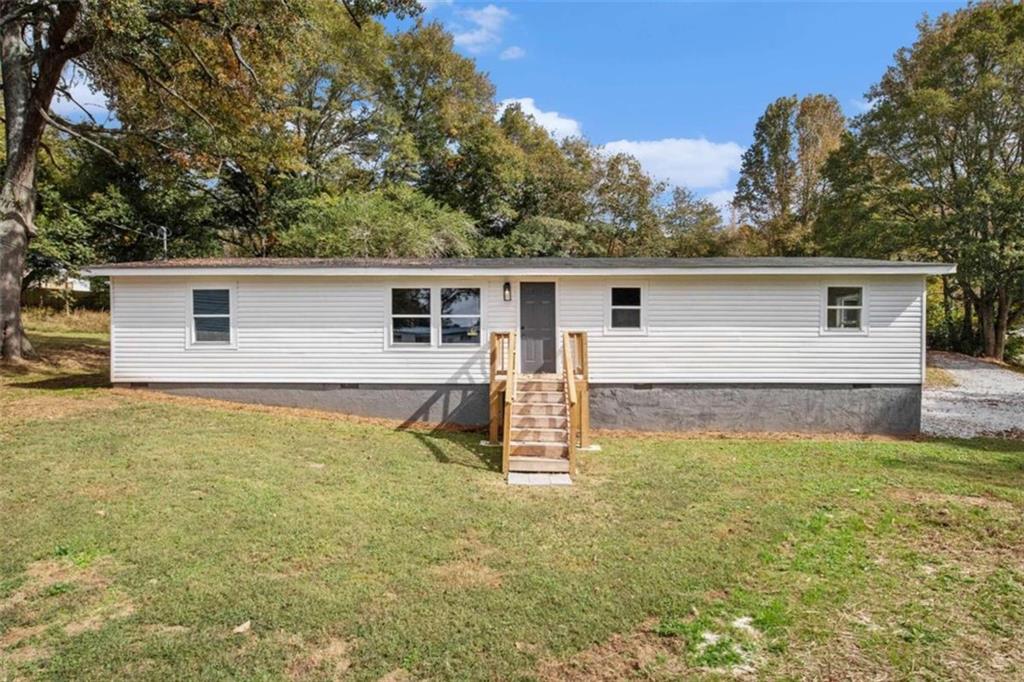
869, 268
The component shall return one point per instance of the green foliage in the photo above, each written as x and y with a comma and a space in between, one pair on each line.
779, 189
693, 227
934, 168
393, 222
549, 237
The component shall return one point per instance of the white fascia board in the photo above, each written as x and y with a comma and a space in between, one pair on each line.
515, 272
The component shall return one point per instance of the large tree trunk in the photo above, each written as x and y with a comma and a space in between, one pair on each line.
987, 321
17, 206
1002, 322
30, 77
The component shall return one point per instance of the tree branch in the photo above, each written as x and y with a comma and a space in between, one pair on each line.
68, 128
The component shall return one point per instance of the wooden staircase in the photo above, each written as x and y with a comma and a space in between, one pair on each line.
539, 425
542, 418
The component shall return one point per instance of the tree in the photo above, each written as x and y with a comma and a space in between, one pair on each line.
693, 227
393, 222
779, 189
199, 76
541, 236
937, 165
626, 202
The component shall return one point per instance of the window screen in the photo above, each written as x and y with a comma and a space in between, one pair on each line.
211, 316
626, 307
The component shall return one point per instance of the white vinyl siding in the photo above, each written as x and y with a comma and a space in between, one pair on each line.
749, 329
309, 329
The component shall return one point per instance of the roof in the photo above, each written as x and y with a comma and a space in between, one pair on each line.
516, 266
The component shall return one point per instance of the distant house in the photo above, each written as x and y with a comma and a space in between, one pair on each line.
539, 348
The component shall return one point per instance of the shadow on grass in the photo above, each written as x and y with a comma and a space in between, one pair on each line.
457, 439
1004, 468
62, 382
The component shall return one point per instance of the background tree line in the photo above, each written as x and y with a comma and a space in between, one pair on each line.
354, 140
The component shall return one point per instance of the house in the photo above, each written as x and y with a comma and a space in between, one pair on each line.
748, 344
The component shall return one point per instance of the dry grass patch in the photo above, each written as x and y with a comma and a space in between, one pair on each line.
76, 321
938, 378
329, 658
641, 653
59, 594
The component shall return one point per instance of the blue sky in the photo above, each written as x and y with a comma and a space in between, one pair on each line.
679, 85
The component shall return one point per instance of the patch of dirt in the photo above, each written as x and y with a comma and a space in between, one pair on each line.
16, 636
167, 630
639, 653
467, 575
47, 407
933, 498
397, 675
59, 593
95, 621
329, 657
773, 436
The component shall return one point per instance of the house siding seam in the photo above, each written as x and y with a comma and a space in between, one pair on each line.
319, 329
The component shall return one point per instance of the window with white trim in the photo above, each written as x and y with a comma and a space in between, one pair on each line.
460, 316
211, 317
626, 308
844, 308
411, 322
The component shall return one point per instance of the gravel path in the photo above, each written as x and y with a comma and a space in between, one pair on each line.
989, 400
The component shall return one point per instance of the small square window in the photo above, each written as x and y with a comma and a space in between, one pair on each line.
844, 308
626, 307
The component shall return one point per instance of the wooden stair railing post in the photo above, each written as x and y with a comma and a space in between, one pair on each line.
569, 372
493, 393
584, 356
511, 368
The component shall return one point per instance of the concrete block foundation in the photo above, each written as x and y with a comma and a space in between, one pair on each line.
812, 408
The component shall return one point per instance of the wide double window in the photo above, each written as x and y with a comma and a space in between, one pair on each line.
429, 316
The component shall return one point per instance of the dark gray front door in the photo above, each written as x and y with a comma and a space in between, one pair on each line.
537, 326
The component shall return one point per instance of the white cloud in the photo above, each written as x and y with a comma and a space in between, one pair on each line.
559, 126
82, 92
722, 198
485, 27
513, 52
429, 5
696, 163
862, 105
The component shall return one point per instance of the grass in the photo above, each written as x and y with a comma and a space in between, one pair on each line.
936, 377
139, 534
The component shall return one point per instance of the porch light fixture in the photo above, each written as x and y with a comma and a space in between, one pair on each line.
506, 291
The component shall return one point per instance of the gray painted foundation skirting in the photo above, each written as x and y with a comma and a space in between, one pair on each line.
823, 408
452, 404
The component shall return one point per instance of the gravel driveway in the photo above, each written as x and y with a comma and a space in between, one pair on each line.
989, 400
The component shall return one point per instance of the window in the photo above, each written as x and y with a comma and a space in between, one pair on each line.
460, 316
625, 309
410, 316
211, 316
844, 308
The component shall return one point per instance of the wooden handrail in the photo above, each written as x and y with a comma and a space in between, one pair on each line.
580, 378
511, 374
569, 372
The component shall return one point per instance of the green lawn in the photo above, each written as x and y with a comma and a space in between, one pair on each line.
138, 533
